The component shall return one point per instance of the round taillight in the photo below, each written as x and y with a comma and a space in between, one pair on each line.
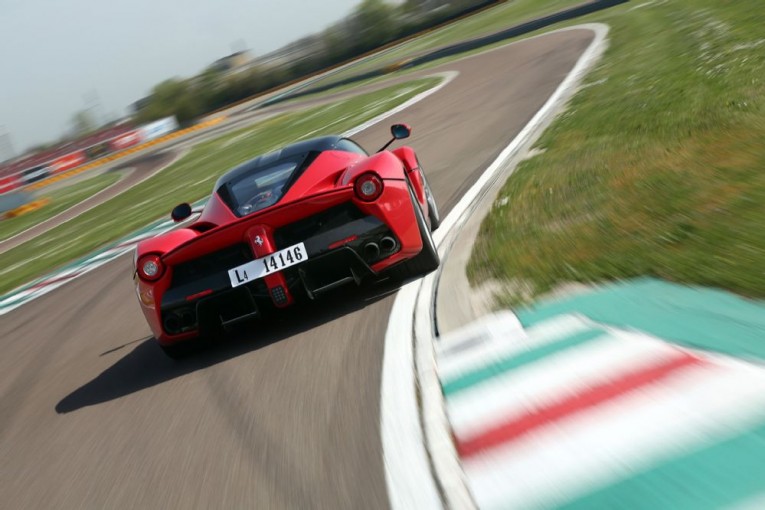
150, 267
368, 187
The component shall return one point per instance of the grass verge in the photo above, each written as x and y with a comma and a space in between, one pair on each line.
190, 179
657, 167
489, 21
60, 201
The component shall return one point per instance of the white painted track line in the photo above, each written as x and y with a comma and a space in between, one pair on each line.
416, 472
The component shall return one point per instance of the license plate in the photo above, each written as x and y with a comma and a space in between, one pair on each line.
264, 266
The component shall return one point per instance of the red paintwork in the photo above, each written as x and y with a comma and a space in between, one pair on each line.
267, 247
326, 183
164, 243
216, 212
409, 158
385, 164
199, 295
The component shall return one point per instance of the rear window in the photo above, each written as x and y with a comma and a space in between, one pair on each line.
262, 188
350, 146
263, 185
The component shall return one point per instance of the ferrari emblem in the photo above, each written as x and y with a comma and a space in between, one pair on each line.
258, 240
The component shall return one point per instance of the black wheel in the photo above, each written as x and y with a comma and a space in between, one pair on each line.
427, 260
433, 214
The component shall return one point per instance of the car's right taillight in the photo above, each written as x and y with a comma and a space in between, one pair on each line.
368, 187
150, 267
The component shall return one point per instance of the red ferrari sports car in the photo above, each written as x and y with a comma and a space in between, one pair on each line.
285, 226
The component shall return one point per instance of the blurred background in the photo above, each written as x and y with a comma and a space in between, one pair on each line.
97, 129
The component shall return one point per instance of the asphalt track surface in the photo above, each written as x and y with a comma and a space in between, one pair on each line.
284, 414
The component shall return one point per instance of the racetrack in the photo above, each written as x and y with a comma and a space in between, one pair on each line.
286, 415
137, 170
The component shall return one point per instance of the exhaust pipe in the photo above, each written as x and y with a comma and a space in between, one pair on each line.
172, 324
371, 251
387, 244
187, 318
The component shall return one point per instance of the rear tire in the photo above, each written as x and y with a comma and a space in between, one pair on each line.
433, 214
427, 260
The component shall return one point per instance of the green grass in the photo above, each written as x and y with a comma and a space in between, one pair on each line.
60, 201
487, 22
190, 179
657, 167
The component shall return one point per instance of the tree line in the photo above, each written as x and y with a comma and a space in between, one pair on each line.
372, 24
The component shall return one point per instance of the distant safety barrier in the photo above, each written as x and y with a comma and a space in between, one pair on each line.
124, 153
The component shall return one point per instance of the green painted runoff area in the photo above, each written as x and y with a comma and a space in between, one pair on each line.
718, 476
692, 316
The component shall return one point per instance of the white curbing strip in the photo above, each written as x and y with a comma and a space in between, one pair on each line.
447, 77
411, 481
446, 463
407, 469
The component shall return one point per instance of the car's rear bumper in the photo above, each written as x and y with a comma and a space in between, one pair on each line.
384, 235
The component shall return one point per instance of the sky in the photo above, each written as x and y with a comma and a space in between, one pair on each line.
58, 57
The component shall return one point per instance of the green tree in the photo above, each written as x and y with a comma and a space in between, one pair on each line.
334, 45
375, 22
172, 97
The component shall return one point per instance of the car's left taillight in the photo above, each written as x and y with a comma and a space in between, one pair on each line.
150, 267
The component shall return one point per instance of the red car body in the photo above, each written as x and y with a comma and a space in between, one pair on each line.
341, 216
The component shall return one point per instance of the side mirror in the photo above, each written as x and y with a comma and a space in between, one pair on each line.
181, 212
398, 131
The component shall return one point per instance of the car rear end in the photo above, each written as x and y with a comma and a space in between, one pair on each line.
265, 261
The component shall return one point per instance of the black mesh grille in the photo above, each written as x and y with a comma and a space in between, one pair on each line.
279, 295
316, 224
217, 262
